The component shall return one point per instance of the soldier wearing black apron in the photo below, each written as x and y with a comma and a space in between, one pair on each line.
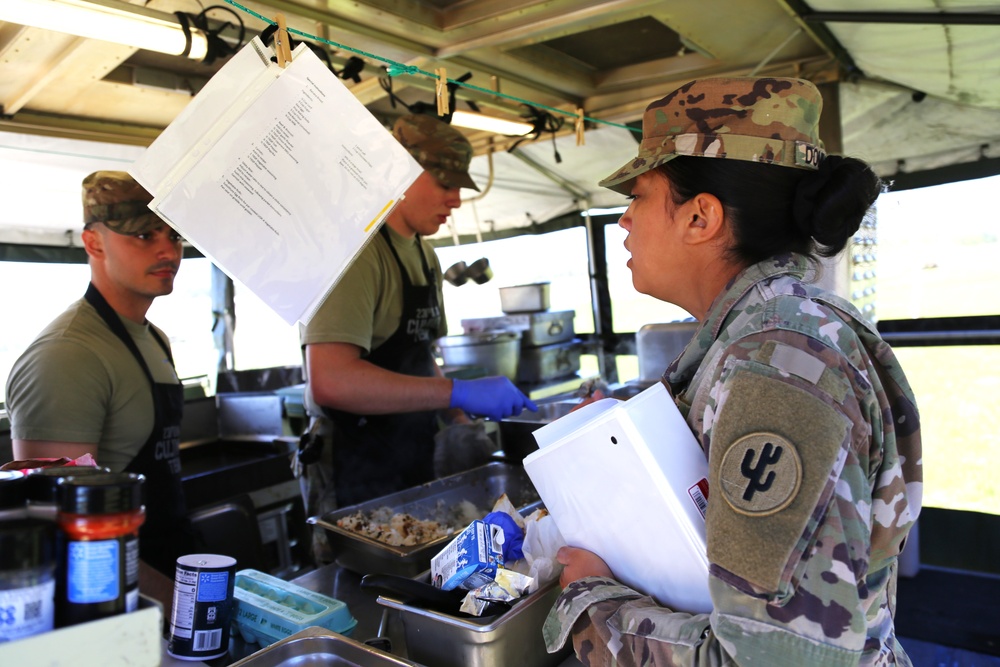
165, 534
374, 392
404, 442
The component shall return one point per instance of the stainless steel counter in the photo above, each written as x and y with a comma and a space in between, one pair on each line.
374, 620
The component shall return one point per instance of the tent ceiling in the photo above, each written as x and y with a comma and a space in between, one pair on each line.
916, 85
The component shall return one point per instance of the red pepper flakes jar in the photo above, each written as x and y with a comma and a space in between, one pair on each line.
99, 516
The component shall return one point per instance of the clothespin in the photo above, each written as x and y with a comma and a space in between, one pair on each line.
441, 91
282, 50
579, 127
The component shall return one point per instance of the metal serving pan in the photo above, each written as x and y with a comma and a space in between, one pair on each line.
512, 638
319, 646
481, 486
516, 432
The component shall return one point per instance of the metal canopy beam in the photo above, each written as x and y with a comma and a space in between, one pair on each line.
933, 18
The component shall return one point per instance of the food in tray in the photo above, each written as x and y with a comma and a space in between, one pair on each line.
401, 529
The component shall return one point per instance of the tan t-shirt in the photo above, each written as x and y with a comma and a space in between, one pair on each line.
367, 304
77, 382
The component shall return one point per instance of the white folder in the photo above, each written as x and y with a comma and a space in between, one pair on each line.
628, 481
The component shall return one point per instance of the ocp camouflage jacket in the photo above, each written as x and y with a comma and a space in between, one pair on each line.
813, 441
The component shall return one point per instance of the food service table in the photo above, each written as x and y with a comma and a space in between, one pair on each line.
344, 585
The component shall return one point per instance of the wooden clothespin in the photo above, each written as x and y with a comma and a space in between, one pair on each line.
282, 48
579, 127
441, 91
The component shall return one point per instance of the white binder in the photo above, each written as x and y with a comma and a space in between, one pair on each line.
628, 481
280, 176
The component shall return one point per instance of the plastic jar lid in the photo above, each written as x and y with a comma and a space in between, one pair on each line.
108, 493
12, 489
40, 485
26, 543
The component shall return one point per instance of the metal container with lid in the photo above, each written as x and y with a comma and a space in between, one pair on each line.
496, 352
528, 298
549, 362
536, 329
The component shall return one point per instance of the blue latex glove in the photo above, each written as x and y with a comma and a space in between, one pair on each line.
492, 397
513, 536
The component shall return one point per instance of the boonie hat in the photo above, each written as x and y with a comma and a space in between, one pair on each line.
117, 200
438, 147
771, 120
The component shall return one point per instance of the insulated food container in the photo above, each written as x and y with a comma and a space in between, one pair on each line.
549, 362
536, 329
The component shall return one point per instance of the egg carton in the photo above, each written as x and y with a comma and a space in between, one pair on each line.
268, 609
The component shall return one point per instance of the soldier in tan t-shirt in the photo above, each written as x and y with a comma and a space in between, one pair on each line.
369, 366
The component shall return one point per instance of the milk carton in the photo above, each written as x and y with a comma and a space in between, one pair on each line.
471, 559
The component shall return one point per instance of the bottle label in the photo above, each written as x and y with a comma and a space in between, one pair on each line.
27, 611
132, 599
132, 563
92, 571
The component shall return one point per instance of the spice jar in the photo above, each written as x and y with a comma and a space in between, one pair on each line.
12, 495
40, 487
27, 577
99, 516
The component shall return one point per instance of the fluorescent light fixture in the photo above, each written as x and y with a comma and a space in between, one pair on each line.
478, 121
107, 20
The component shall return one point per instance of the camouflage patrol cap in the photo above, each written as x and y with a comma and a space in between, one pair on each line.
772, 120
117, 200
438, 147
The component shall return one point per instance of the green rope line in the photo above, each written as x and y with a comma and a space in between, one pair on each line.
397, 69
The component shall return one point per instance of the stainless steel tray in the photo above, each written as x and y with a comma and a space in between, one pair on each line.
513, 638
657, 345
481, 486
319, 646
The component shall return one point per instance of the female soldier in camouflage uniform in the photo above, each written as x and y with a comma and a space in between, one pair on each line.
808, 423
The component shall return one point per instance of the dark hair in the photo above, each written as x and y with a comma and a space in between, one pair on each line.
774, 209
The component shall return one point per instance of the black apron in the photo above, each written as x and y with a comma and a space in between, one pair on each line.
166, 533
375, 455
